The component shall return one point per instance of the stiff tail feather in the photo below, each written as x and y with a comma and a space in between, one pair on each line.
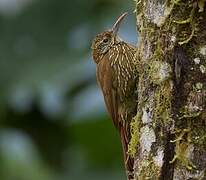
128, 160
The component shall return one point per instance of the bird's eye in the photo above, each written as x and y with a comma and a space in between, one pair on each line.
105, 40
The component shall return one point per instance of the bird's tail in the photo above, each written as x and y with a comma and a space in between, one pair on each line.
128, 160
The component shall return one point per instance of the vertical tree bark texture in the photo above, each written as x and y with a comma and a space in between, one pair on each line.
169, 131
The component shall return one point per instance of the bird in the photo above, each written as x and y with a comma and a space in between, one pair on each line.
117, 77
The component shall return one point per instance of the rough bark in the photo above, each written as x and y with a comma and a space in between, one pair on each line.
169, 131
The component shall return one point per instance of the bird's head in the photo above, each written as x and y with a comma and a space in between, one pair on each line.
105, 40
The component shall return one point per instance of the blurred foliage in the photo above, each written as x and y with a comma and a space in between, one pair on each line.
52, 118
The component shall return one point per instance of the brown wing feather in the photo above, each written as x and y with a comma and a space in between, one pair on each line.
104, 78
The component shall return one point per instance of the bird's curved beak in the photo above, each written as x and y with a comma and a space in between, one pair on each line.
116, 25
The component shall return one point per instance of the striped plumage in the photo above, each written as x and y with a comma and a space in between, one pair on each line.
116, 75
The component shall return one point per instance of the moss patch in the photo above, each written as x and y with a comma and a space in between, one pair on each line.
134, 141
163, 97
148, 170
183, 148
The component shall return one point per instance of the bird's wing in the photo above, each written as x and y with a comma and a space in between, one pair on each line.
105, 81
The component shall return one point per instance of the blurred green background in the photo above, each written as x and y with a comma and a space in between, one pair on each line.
53, 124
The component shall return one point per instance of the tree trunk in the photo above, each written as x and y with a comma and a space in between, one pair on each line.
169, 131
